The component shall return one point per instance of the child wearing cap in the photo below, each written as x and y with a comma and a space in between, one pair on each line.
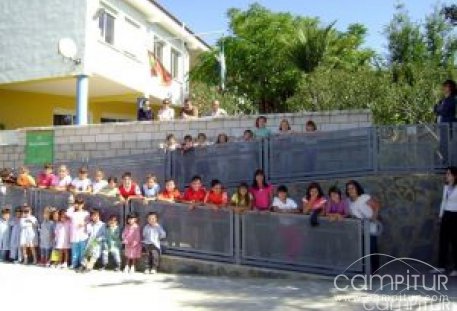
81, 184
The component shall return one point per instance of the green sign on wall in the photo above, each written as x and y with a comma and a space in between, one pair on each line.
39, 147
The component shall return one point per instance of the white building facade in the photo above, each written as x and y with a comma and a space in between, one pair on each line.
117, 41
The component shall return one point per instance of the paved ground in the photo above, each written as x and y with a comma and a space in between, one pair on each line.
38, 288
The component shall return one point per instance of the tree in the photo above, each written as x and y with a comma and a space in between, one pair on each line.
406, 43
256, 58
268, 52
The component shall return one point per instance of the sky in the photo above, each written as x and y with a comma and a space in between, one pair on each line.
204, 16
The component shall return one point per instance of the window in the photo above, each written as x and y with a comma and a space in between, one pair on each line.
132, 38
106, 26
64, 119
158, 49
174, 66
113, 120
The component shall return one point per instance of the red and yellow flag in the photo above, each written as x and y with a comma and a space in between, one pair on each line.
157, 70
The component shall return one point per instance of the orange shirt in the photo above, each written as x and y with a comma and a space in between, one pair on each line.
25, 180
166, 195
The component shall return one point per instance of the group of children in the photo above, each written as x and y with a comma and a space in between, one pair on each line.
80, 234
260, 131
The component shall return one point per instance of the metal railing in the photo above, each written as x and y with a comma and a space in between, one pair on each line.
199, 233
230, 163
288, 241
272, 240
296, 157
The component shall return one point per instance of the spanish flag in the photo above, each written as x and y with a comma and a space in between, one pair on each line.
157, 70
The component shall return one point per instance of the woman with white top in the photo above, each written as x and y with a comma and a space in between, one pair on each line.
166, 113
363, 206
448, 226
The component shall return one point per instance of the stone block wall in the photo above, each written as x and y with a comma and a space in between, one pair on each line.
409, 211
120, 139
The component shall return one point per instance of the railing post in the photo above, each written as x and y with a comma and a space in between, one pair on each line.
237, 237
366, 246
374, 149
265, 156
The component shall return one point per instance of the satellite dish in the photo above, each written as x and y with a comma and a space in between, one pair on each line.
68, 48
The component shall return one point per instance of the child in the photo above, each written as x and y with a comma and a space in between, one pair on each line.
195, 193
131, 238
248, 136
81, 184
99, 182
283, 204
188, 143
222, 139
314, 202
336, 208
61, 239
288, 229
261, 191
25, 179
63, 180
79, 218
242, 199
202, 140
4, 234
46, 178
261, 130
170, 143
29, 234
217, 196
47, 228
170, 194
151, 188
15, 252
96, 231
112, 244
128, 189
152, 234
111, 190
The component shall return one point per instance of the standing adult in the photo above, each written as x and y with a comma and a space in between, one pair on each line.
445, 109
189, 111
166, 113
445, 114
216, 110
448, 225
145, 111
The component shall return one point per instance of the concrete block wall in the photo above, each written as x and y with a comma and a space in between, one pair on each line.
120, 139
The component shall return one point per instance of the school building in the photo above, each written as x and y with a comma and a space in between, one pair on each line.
87, 61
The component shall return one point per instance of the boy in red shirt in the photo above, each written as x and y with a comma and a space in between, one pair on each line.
195, 193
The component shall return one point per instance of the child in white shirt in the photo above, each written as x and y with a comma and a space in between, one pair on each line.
4, 234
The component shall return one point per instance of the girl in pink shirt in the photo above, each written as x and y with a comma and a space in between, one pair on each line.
131, 238
261, 191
